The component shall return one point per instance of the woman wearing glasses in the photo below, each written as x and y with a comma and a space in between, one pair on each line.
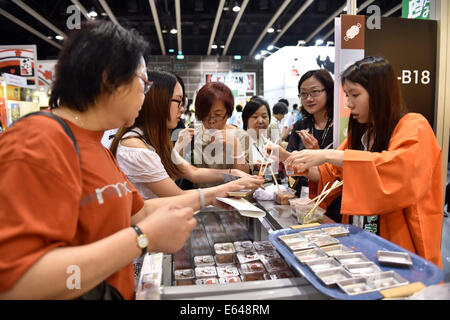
315, 129
391, 163
145, 151
216, 144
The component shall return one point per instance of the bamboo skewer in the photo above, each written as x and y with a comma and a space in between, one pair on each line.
275, 179
325, 192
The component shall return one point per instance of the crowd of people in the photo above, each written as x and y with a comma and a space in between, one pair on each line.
101, 212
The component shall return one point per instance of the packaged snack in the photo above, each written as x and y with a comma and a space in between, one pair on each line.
283, 274
263, 245
243, 246
205, 272
338, 231
283, 196
226, 280
248, 256
203, 261
210, 280
227, 271
274, 264
224, 252
184, 277
269, 254
252, 271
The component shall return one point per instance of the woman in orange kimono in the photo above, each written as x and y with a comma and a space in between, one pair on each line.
390, 163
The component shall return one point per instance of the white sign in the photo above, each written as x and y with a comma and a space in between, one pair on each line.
14, 80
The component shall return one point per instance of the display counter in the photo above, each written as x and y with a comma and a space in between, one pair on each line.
183, 277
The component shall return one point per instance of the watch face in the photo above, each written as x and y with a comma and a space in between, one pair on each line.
142, 241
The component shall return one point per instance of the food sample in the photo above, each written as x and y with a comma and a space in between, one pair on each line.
227, 271
387, 279
184, 277
322, 264
356, 286
284, 196
284, 274
225, 280
243, 246
336, 249
274, 264
248, 256
263, 245
205, 272
224, 252
252, 271
211, 280
202, 261
363, 268
338, 231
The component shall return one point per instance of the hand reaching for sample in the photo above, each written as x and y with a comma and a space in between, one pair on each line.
305, 159
308, 140
169, 219
277, 151
184, 138
240, 173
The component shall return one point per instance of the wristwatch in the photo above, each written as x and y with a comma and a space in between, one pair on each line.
141, 240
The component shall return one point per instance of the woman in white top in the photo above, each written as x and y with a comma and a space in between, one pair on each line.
256, 118
145, 151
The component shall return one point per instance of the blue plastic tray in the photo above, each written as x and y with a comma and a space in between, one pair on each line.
368, 243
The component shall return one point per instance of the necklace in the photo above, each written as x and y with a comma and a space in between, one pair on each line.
75, 116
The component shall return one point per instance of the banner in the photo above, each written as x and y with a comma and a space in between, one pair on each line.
20, 61
241, 82
46, 72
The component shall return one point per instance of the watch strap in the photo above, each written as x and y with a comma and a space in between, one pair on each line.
140, 233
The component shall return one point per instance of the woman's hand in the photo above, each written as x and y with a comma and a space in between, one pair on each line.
306, 159
308, 140
277, 151
184, 138
239, 173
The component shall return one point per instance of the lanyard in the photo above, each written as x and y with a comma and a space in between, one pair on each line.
325, 132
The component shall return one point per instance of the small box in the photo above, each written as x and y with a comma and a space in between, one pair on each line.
205, 272
252, 271
393, 258
203, 261
263, 245
224, 252
274, 264
226, 280
245, 257
211, 280
227, 271
283, 274
356, 286
243, 246
332, 276
184, 277
350, 258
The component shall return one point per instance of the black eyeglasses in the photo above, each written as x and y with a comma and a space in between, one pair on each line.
181, 103
216, 118
147, 84
313, 94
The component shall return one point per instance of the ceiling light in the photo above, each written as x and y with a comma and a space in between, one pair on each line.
271, 47
214, 46
171, 50
59, 37
330, 43
180, 57
92, 14
270, 30
258, 56
262, 52
222, 46
236, 7
319, 42
237, 57
173, 31
301, 43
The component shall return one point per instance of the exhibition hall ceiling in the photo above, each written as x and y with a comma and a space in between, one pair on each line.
204, 27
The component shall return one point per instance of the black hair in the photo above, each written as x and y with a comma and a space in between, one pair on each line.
294, 107
285, 101
96, 59
324, 77
251, 107
238, 108
280, 108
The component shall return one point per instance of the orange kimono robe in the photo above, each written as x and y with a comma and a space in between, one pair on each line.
402, 185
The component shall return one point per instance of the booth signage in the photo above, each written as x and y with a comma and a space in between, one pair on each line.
416, 9
14, 80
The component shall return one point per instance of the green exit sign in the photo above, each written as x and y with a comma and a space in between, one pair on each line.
237, 57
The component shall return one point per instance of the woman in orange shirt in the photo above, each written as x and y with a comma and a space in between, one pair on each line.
390, 163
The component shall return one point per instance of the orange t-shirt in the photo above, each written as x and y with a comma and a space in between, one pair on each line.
46, 202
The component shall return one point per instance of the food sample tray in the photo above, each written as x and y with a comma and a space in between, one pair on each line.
367, 243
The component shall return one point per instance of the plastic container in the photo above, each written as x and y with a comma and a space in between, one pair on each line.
302, 207
246, 257
227, 271
224, 252
295, 171
243, 246
226, 280
184, 277
203, 261
253, 271
263, 246
211, 280
205, 272
283, 196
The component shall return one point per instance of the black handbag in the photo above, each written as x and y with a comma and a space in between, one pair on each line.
102, 291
